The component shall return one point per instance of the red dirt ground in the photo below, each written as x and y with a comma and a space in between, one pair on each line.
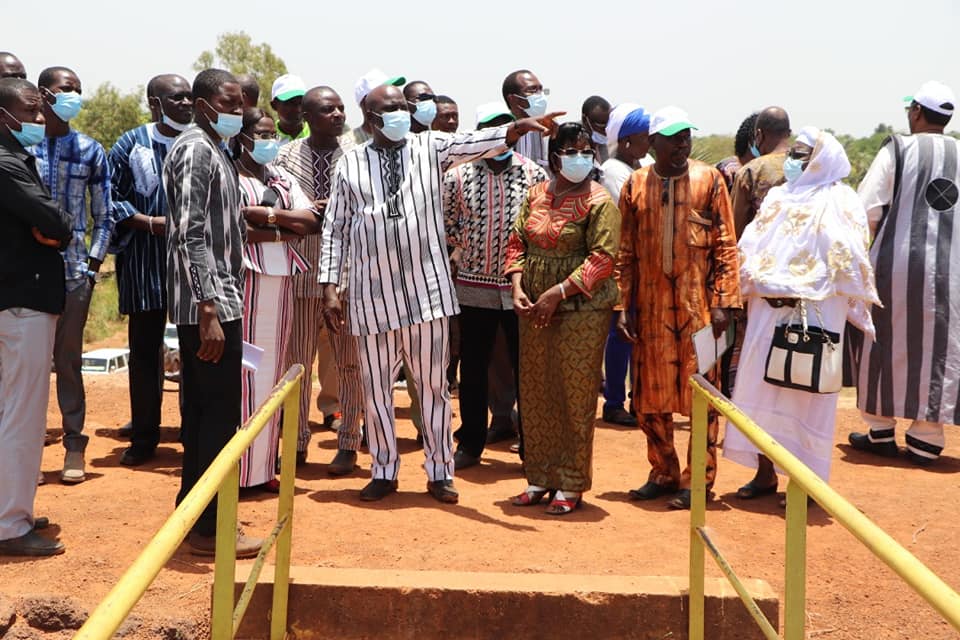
105, 521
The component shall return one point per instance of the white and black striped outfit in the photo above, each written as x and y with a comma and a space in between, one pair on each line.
385, 219
533, 146
913, 369
338, 371
204, 202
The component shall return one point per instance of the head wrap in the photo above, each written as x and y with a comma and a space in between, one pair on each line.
810, 237
617, 116
637, 121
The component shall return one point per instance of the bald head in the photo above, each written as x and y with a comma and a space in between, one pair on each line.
166, 83
384, 97
773, 129
11, 67
172, 96
313, 97
250, 89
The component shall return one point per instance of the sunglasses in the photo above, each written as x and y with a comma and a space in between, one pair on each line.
572, 153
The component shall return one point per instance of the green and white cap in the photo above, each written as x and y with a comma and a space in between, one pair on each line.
670, 121
935, 96
490, 110
287, 86
373, 79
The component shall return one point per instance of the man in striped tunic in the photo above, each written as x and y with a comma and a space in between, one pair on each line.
912, 371
385, 220
139, 240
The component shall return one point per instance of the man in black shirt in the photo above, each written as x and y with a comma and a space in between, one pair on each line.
31, 297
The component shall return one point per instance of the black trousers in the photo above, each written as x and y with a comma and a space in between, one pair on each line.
145, 334
209, 409
478, 330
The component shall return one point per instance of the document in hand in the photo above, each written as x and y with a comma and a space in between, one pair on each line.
252, 355
708, 348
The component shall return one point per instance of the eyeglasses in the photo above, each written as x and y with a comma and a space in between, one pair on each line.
573, 153
532, 91
798, 154
178, 97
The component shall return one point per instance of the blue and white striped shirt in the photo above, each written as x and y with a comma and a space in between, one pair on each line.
136, 167
71, 166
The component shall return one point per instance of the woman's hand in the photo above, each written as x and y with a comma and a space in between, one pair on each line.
625, 327
720, 320
546, 305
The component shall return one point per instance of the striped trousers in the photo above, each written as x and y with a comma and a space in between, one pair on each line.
426, 348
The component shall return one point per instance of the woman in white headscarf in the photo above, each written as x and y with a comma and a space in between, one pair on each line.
808, 244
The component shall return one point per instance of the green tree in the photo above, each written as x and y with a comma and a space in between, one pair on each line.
237, 53
108, 113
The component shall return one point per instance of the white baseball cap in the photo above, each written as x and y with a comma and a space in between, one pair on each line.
490, 110
373, 79
935, 96
669, 121
286, 87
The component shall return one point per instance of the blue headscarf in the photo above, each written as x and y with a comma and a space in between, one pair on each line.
637, 121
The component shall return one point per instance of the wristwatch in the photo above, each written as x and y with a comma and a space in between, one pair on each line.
271, 216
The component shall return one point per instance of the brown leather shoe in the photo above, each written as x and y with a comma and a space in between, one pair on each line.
343, 463
444, 491
247, 547
378, 490
31, 544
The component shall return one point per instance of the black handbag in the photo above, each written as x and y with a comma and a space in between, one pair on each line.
805, 358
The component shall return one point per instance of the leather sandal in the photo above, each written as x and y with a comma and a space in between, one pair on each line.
750, 490
561, 506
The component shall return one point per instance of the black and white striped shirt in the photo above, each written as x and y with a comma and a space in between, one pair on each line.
533, 146
385, 219
206, 234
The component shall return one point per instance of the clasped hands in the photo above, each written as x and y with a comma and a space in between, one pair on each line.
540, 312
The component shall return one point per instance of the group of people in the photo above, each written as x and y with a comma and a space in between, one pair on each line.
564, 253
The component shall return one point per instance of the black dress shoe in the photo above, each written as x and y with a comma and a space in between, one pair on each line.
344, 462
681, 500
134, 458
463, 460
862, 442
378, 490
619, 416
650, 491
444, 491
917, 459
126, 431
30, 544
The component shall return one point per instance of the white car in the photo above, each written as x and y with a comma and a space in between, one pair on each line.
171, 353
105, 360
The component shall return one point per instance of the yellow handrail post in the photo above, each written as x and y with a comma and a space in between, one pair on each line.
288, 461
795, 605
225, 567
698, 507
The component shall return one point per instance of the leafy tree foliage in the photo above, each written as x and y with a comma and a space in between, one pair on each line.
108, 113
237, 53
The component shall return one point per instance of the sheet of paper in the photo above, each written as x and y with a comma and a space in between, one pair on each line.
252, 355
708, 348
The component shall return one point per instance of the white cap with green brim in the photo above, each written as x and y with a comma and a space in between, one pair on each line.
935, 96
492, 110
373, 79
287, 86
670, 121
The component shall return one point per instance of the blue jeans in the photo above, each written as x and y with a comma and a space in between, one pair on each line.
616, 363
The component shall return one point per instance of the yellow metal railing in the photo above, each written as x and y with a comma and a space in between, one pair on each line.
803, 483
222, 478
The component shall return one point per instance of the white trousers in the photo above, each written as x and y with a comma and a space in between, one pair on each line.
924, 438
26, 349
426, 348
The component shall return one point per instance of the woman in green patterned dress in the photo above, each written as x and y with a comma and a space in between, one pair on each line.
560, 259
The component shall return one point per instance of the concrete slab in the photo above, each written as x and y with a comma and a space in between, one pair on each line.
355, 604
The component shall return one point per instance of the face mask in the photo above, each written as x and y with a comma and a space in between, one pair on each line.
396, 125
792, 169
426, 112
226, 125
755, 150
536, 105
264, 151
173, 124
504, 156
30, 133
576, 168
598, 138
67, 105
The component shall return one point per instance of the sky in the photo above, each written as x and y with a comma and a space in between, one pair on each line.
840, 65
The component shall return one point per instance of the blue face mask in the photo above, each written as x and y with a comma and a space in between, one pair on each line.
264, 151
67, 105
396, 125
426, 112
598, 138
504, 156
226, 125
536, 105
576, 168
792, 169
30, 133
755, 151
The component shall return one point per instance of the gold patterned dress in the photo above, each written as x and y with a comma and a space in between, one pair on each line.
571, 240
